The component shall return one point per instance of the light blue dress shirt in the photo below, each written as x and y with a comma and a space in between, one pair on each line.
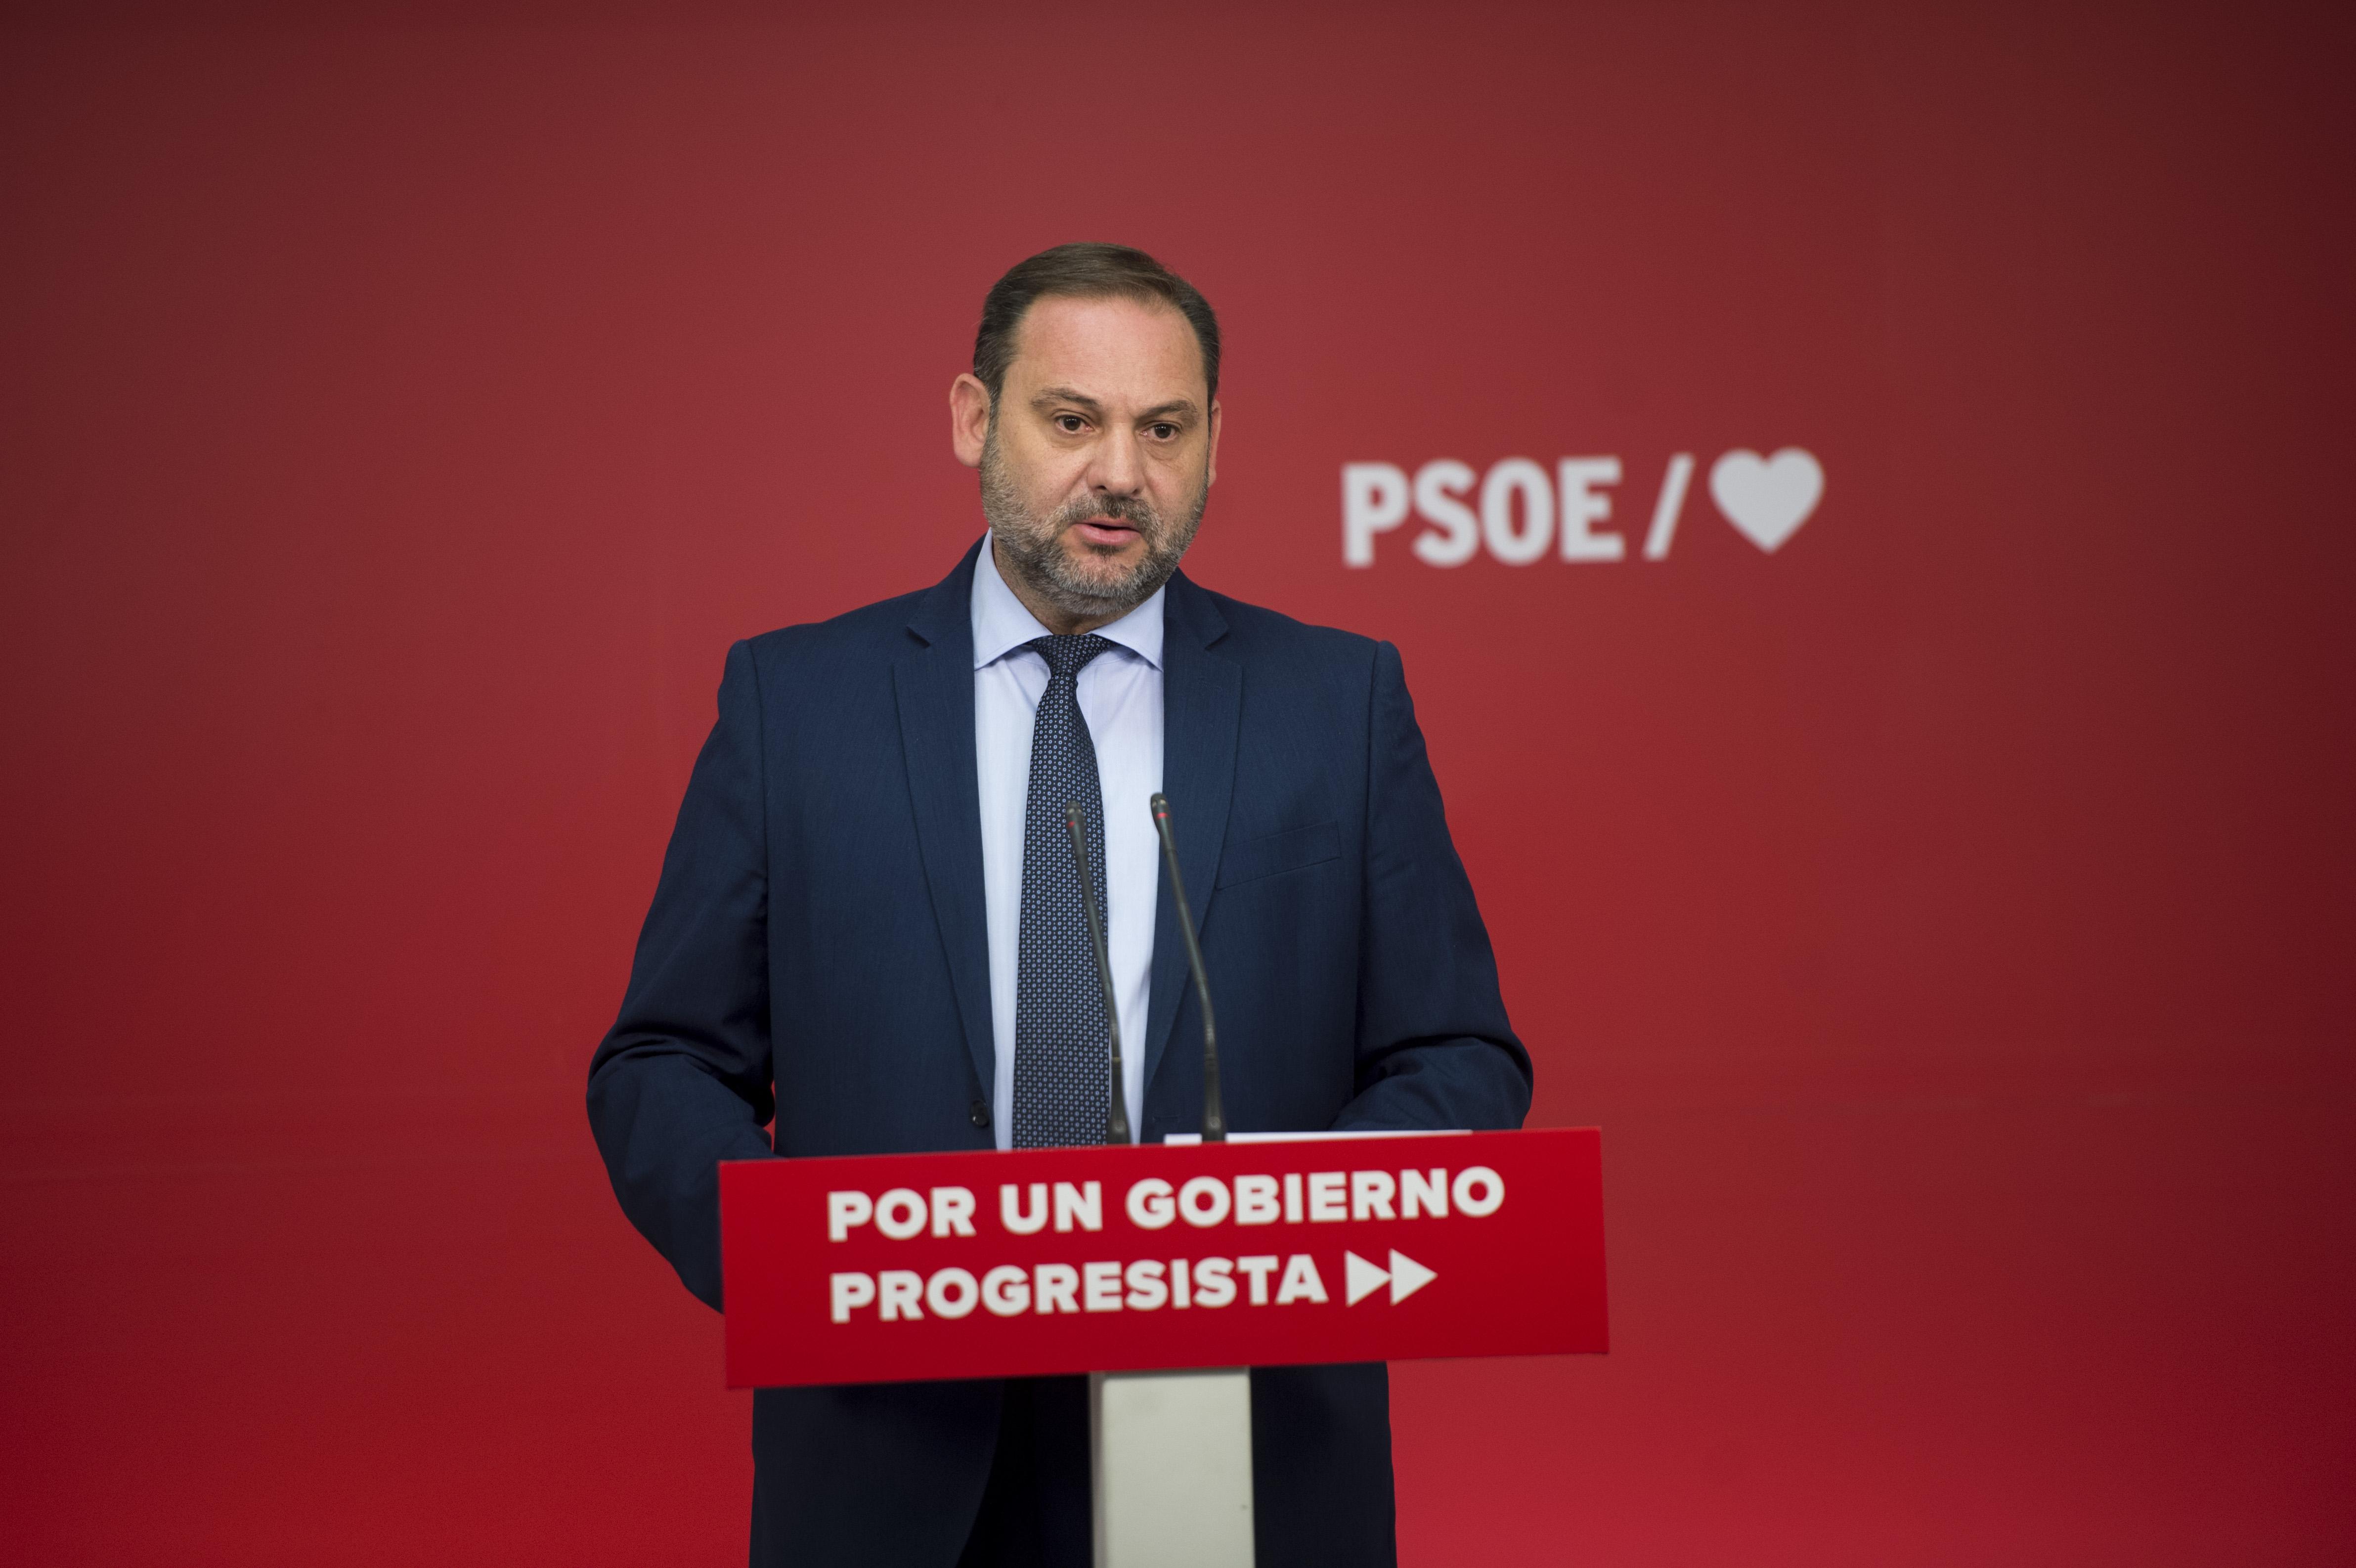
1121, 698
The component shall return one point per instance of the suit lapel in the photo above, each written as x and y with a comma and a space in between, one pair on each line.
1202, 705
933, 681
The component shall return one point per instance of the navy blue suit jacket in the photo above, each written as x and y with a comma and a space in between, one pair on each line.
817, 949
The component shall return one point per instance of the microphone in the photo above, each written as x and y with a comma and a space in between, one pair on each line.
1214, 1119
1117, 1107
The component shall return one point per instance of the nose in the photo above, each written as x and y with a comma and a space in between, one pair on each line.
1117, 470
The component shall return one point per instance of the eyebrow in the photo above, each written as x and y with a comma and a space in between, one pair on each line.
1069, 394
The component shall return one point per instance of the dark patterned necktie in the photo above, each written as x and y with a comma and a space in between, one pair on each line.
1061, 1079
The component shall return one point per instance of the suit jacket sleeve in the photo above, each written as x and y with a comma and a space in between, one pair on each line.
681, 1081
1434, 1047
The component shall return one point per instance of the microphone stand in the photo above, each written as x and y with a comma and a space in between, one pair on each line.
1116, 1104
1215, 1117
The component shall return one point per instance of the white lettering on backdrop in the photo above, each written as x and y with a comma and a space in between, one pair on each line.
1521, 513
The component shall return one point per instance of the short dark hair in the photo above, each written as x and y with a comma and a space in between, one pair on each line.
1086, 270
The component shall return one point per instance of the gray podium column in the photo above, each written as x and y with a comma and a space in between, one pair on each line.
1171, 1457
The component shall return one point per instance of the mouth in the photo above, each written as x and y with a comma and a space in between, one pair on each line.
1106, 534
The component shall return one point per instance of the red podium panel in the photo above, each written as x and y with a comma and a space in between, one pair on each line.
883, 1268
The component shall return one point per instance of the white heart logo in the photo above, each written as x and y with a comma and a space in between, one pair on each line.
1767, 498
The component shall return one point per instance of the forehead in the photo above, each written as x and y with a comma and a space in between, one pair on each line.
1116, 351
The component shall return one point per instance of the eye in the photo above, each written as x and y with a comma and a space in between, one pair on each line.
1163, 431
1070, 423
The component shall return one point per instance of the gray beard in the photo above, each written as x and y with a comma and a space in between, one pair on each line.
1031, 543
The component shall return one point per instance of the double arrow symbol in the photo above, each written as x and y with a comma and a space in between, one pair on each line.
1405, 1276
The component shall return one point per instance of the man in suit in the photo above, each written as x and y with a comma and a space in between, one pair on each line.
869, 923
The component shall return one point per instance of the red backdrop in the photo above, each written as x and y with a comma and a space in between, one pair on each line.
1947, 916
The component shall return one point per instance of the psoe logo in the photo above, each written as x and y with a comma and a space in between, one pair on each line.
1520, 513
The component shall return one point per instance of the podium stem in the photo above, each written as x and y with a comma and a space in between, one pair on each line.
1170, 1455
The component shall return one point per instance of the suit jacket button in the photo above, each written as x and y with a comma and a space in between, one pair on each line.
979, 1113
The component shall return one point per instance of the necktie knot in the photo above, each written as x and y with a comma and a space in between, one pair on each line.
1066, 656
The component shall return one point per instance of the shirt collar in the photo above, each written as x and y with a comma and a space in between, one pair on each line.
1001, 624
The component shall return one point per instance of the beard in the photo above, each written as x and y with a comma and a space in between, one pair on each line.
1093, 586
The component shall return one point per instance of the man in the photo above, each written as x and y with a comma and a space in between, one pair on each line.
870, 923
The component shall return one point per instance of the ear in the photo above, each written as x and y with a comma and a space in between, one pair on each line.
968, 419
1210, 465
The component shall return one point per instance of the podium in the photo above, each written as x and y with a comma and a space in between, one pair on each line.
1163, 1271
